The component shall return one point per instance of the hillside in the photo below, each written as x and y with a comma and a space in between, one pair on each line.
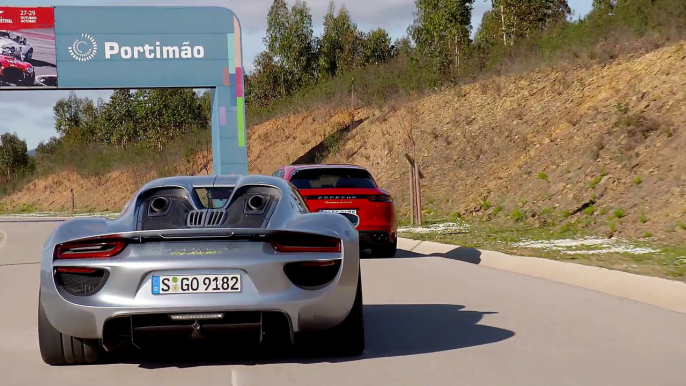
599, 146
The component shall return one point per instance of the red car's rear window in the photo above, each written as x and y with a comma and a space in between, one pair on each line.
332, 178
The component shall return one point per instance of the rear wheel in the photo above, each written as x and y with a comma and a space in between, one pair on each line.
59, 349
346, 339
387, 250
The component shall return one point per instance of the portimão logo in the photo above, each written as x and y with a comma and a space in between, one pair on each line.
84, 48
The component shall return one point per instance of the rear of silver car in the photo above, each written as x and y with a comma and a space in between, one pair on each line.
149, 287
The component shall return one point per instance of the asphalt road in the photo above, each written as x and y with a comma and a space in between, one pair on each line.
44, 56
428, 320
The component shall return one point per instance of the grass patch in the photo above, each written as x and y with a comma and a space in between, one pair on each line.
666, 261
642, 218
517, 215
597, 180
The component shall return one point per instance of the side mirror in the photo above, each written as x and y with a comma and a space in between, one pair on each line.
353, 218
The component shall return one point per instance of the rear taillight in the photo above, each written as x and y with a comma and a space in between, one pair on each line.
96, 249
381, 198
312, 275
75, 270
305, 243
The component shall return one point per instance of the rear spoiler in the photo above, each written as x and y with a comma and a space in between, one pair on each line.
200, 234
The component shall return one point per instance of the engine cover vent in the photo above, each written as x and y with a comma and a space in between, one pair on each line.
205, 218
214, 218
195, 219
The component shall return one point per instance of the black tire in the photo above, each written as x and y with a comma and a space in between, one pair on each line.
387, 250
346, 339
58, 349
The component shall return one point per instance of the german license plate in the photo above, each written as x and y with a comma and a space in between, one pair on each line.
193, 284
351, 211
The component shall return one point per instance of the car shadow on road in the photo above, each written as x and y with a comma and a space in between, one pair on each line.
391, 330
467, 255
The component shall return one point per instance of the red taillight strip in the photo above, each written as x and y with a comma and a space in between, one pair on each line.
325, 263
96, 249
75, 270
301, 248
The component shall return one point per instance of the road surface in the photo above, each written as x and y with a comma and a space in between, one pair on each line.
429, 320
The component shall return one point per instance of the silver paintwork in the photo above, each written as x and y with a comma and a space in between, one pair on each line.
265, 287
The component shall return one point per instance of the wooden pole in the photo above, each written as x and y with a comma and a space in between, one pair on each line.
413, 210
73, 204
418, 193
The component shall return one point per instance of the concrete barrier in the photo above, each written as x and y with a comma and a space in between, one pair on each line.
663, 293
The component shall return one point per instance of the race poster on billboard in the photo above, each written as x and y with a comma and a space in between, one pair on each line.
27, 44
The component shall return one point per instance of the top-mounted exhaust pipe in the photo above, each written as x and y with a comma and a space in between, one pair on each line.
159, 205
256, 202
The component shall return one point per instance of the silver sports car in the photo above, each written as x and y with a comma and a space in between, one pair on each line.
17, 45
202, 258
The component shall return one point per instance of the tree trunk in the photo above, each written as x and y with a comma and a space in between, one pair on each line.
502, 19
514, 31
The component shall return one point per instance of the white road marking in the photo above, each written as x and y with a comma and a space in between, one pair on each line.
234, 377
4, 238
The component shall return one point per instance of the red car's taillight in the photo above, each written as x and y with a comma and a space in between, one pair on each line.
380, 198
96, 249
305, 243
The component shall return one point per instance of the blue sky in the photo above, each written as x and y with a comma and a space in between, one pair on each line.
29, 113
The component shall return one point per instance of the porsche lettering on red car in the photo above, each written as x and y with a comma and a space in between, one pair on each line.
351, 190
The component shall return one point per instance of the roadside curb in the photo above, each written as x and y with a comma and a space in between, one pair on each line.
663, 293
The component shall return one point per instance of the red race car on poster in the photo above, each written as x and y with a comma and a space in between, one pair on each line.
16, 72
349, 189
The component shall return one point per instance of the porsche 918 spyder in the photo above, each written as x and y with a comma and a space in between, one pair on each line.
14, 71
201, 259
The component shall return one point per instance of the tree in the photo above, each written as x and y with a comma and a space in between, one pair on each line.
121, 125
519, 18
341, 43
13, 154
376, 47
44, 149
268, 82
489, 32
291, 43
441, 30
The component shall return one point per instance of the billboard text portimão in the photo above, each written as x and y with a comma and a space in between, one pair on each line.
134, 47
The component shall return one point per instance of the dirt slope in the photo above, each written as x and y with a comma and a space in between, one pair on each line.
546, 145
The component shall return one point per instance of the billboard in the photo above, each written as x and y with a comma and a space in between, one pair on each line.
111, 47
27, 47
143, 46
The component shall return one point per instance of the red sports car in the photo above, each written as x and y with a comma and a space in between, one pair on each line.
349, 189
14, 71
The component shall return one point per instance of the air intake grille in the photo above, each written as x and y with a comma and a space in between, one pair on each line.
195, 219
214, 218
205, 218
